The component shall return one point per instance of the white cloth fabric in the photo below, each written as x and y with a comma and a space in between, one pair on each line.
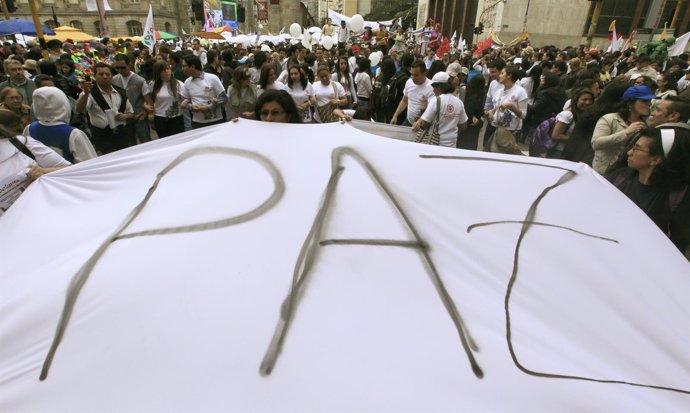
182, 321
452, 115
276, 85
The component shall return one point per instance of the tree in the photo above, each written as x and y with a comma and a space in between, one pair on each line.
392, 9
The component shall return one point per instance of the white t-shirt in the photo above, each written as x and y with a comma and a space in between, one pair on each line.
275, 86
363, 83
299, 94
165, 104
417, 98
324, 94
565, 117
504, 117
200, 91
452, 115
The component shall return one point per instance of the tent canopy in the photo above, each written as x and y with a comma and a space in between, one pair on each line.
21, 26
67, 32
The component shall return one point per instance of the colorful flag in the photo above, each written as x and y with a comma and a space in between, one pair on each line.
614, 39
612, 27
628, 42
149, 31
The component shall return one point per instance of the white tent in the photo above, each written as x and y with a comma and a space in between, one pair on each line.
272, 267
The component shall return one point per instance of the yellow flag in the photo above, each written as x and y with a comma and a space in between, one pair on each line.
612, 25
662, 36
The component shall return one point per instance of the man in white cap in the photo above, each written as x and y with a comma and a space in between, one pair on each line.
449, 109
53, 111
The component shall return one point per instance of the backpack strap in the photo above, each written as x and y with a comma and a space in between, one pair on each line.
21, 147
438, 114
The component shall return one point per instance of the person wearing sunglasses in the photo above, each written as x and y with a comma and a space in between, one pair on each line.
657, 177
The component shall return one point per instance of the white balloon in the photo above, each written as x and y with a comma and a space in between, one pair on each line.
375, 59
327, 42
295, 30
356, 23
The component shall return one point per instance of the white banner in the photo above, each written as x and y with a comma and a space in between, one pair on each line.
269, 267
679, 46
91, 5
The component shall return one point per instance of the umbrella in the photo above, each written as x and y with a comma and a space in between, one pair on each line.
21, 26
374, 256
67, 32
164, 35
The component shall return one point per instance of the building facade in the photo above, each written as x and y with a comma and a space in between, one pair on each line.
127, 17
556, 22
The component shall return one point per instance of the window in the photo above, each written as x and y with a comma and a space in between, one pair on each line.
97, 28
77, 25
134, 28
168, 27
619, 10
275, 2
50, 23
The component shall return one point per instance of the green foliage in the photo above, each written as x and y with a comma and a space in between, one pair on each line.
391, 9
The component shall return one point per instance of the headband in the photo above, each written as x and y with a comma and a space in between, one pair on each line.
668, 136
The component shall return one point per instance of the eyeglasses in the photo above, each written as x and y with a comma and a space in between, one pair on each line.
274, 113
638, 148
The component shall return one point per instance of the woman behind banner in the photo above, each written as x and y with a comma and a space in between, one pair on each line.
163, 97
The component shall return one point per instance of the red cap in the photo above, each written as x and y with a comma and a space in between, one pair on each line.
355, 49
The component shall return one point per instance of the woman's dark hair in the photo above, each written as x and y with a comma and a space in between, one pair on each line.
265, 72
674, 171
476, 85
158, 68
436, 67
46, 67
338, 73
364, 66
577, 93
259, 60
606, 102
39, 79
68, 63
9, 121
648, 81
550, 80
302, 77
387, 68
238, 76
282, 98
515, 73
671, 81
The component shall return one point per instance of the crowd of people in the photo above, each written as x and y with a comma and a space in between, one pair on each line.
622, 113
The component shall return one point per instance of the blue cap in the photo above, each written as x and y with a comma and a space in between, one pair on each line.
639, 92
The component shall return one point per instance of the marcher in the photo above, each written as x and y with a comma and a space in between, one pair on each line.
163, 96
205, 92
452, 116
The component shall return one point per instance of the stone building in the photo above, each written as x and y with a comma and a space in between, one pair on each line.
127, 17
557, 22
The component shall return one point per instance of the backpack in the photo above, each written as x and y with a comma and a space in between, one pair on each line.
541, 140
392, 92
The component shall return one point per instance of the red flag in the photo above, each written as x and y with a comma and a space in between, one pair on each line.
445, 47
481, 46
